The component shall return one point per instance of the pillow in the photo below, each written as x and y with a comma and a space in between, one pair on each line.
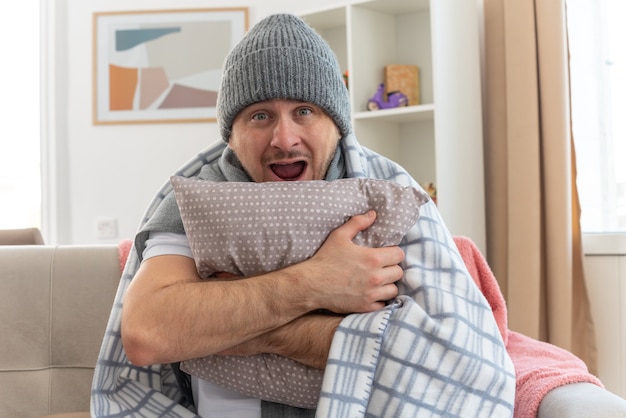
248, 228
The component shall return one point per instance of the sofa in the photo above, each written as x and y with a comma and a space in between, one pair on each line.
56, 300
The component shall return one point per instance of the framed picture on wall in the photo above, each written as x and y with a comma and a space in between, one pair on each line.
161, 65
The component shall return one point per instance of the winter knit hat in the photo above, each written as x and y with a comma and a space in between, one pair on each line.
281, 57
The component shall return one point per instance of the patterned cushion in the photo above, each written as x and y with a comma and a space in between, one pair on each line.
251, 228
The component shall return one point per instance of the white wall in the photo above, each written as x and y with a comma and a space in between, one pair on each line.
605, 274
110, 171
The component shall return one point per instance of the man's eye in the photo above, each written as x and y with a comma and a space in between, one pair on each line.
303, 111
259, 116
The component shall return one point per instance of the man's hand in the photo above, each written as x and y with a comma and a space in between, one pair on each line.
345, 278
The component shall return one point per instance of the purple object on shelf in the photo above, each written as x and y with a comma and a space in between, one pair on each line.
394, 99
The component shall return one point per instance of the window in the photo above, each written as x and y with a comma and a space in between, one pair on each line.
597, 30
20, 181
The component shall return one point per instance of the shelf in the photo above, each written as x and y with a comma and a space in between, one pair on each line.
399, 114
328, 18
396, 7
441, 38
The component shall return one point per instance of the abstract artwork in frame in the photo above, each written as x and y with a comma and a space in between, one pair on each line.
161, 65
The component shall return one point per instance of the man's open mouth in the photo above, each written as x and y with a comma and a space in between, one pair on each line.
289, 172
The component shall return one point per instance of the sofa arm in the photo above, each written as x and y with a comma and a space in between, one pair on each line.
25, 236
581, 400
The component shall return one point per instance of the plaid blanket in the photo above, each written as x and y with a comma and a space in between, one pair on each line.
435, 351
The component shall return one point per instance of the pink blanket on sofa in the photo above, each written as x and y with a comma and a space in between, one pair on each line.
539, 366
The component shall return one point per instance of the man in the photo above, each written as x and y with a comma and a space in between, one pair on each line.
284, 112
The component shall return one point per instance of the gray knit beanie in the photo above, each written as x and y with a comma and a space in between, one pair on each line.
282, 58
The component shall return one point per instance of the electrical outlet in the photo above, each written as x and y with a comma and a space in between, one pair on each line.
106, 228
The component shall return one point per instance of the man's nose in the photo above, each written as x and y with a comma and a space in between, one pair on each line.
285, 135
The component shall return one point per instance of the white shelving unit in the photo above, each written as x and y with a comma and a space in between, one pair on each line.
439, 140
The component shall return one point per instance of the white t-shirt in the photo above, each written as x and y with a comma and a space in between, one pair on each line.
212, 401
